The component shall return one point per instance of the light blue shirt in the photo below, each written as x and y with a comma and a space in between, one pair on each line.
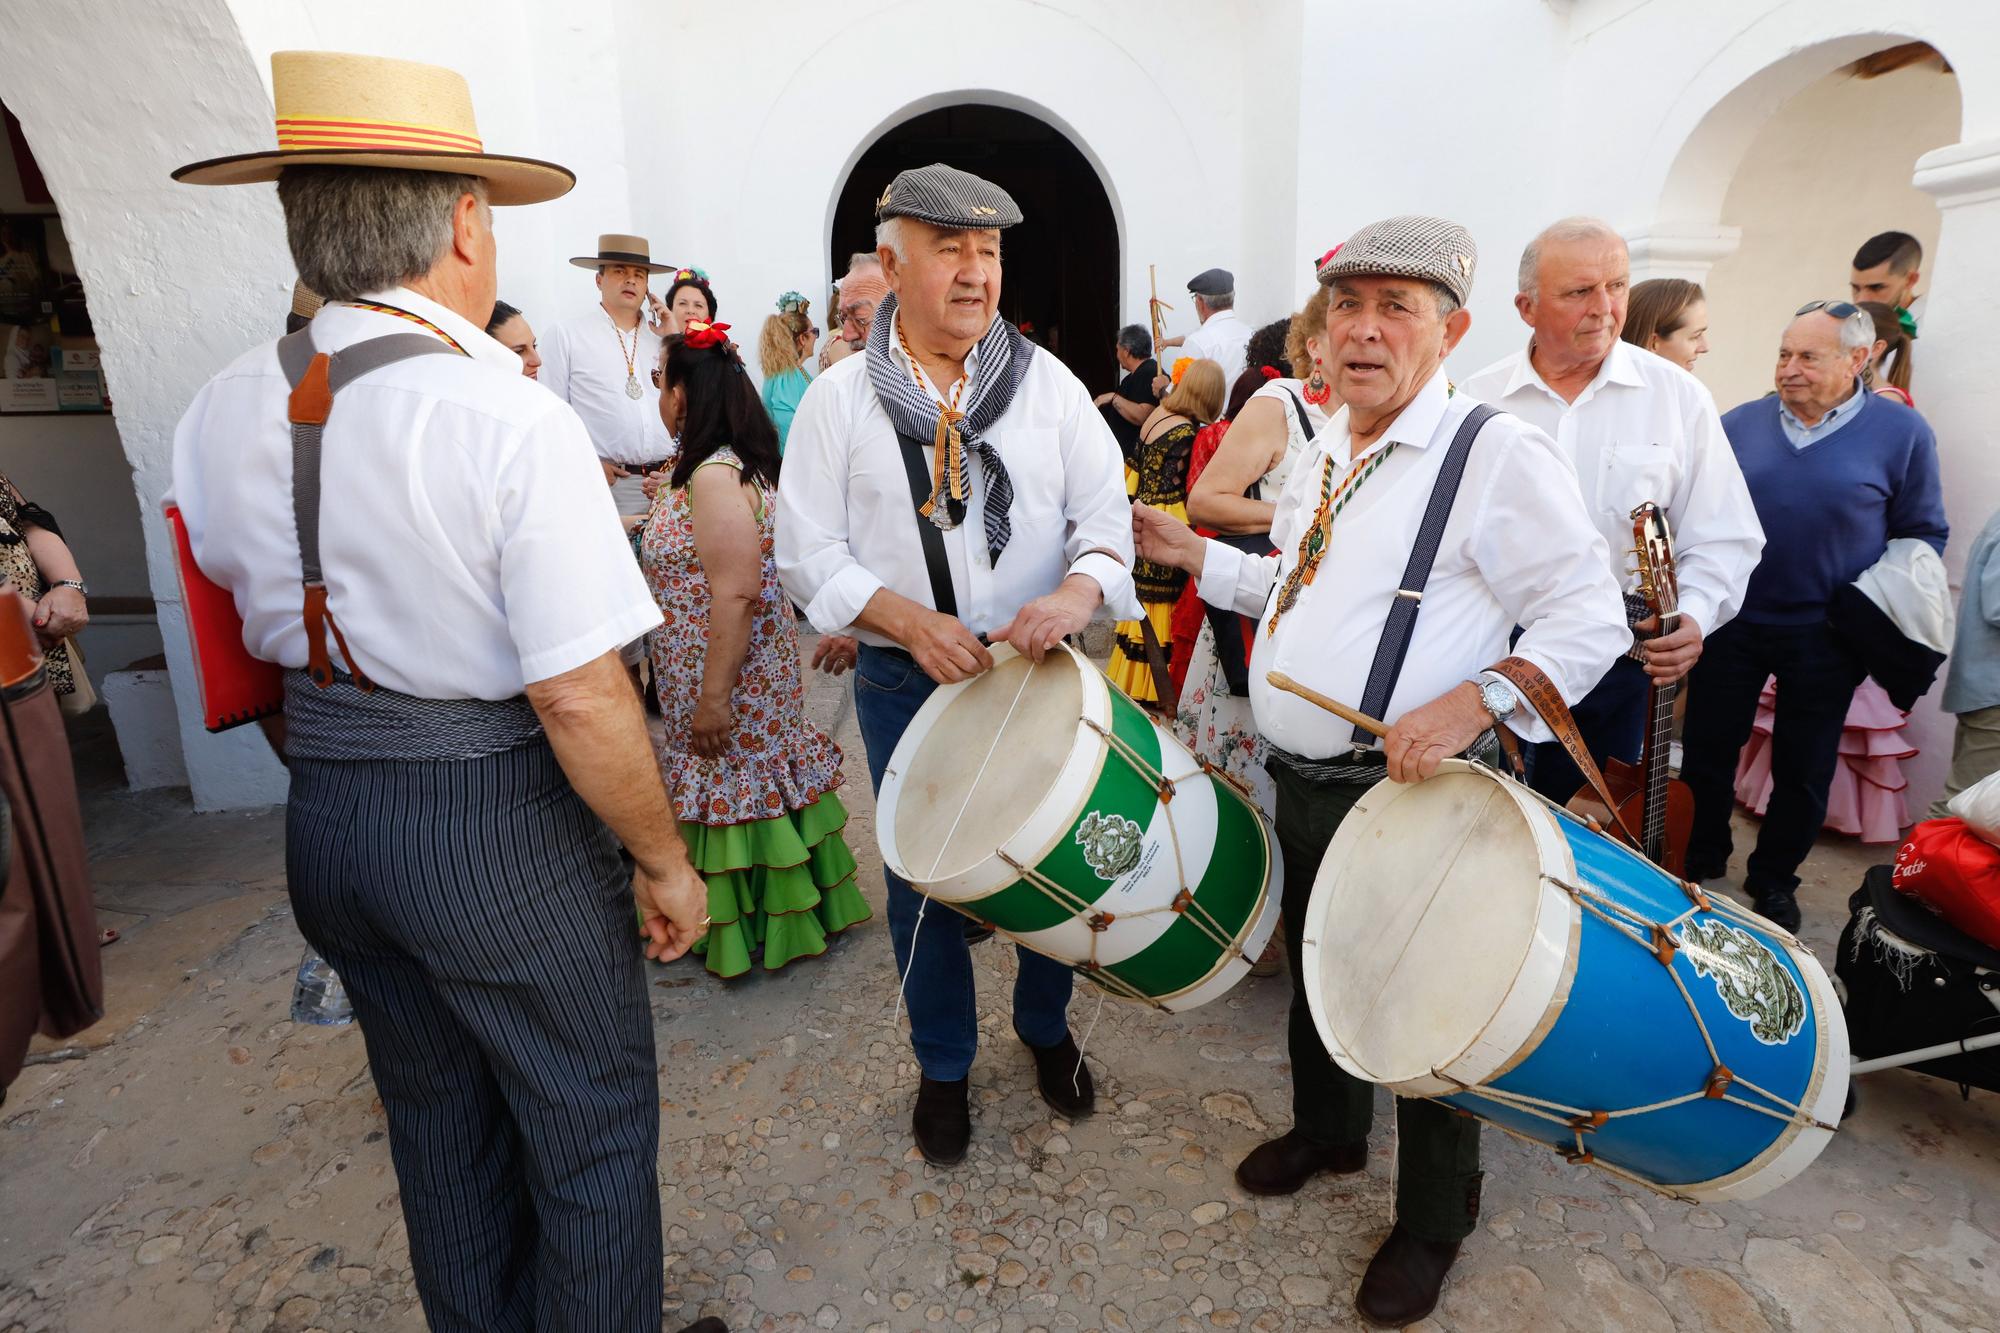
1802, 435
1974, 679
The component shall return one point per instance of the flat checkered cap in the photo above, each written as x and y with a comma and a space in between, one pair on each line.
947, 197
1409, 246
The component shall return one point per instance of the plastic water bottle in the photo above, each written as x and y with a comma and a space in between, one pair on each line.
319, 997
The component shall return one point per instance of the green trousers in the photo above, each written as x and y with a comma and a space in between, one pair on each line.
1437, 1172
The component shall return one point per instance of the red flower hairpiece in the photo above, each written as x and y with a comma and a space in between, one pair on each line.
703, 334
1269, 372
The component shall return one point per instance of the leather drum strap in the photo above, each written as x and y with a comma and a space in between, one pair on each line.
315, 378
1156, 664
1547, 700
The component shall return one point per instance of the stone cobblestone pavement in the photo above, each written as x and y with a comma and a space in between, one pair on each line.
198, 1162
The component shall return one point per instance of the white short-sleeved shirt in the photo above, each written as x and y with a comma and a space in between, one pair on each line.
1224, 339
469, 544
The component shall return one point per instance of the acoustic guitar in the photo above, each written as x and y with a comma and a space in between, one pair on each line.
1659, 807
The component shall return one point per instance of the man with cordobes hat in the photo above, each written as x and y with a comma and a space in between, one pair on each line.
1020, 531
422, 538
1340, 611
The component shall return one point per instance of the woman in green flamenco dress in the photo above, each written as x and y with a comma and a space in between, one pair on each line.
752, 780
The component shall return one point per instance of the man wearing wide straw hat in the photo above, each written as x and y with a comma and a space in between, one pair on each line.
601, 363
460, 740
1339, 610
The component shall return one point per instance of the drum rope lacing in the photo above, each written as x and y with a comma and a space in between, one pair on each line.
1184, 903
1657, 939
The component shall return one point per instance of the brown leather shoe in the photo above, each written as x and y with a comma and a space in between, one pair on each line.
1285, 1164
1404, 1279
1063, 1078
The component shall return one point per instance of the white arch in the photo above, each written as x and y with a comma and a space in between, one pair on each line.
974, 97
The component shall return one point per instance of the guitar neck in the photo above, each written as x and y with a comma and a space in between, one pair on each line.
1659, 748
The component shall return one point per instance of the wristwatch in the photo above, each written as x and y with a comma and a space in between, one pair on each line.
1499, 698
70, 583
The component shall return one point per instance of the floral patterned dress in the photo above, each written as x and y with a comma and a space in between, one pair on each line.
761, 822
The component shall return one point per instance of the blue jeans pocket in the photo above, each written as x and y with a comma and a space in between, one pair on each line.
887, 672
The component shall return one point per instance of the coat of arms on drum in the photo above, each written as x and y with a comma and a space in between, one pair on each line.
1110, 843
1749, 978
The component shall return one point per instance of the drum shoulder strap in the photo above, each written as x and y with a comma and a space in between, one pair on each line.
1402, 621
1543, 696
918, 470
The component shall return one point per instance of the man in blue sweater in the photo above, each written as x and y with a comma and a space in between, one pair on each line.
1835, 473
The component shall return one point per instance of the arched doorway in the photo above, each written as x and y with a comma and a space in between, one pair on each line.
1061, 262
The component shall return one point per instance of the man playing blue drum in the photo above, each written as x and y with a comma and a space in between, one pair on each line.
1410, 467
952, 485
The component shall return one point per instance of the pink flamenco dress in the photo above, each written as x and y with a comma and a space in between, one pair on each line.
761, 822
1866, 799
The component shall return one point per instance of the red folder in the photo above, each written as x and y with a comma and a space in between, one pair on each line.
235, 687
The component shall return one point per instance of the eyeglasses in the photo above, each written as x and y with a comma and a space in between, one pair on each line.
813, 332
1838, 309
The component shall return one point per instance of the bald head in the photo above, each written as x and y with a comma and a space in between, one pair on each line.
1574, 280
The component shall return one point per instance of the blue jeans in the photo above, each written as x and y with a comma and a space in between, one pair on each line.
1612, 719
889, 688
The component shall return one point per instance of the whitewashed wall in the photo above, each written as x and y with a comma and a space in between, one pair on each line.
1830, 169
1247, 133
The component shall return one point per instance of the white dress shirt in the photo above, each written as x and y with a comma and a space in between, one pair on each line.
1518, 549
848, 527
1223, 340
469, 544
583, 364
1644, 429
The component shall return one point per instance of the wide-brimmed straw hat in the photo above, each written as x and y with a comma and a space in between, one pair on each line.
617, 248
340, 110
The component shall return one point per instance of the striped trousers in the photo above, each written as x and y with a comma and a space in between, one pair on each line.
480, 917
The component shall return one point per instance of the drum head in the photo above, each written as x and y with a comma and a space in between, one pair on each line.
990, 759
1424, 911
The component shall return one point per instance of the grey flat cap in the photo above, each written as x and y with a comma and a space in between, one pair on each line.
1213, 282
1409, 246
947, 197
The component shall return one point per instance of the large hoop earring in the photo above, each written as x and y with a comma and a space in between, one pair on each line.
1317, 391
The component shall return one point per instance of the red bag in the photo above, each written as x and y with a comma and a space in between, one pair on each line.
1957, 872
235, 687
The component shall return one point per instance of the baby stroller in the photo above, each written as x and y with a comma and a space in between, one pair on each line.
1917, 991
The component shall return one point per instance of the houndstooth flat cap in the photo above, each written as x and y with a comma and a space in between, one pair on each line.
947, 197
1408, 246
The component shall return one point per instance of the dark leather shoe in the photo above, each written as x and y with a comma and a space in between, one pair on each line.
942, 1121
1404, 1279
709, 1325
1778, 908
1063, 1078
1698, 871
1285, 1164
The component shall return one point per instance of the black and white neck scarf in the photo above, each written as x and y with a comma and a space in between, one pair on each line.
1003, 357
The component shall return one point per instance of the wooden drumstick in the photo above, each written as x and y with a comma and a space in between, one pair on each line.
1278, 680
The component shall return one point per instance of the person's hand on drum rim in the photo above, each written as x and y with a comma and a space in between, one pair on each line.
946, 650
1045, 622
1425, 737
1165, 540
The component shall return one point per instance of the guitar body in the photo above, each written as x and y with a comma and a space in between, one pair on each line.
1628, 784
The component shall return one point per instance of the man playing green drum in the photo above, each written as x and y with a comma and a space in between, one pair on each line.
1514, 546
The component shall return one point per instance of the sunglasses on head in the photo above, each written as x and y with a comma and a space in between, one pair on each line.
1838, 309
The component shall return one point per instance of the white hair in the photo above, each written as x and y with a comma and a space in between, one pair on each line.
1529, 280
889, 232
1857, 330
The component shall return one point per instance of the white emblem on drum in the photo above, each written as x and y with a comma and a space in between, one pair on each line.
1111, 843
1749, 978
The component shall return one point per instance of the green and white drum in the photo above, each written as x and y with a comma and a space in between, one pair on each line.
1043, 801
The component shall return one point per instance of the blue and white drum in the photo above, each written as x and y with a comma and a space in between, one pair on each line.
1470, 942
